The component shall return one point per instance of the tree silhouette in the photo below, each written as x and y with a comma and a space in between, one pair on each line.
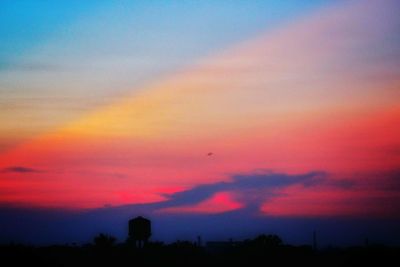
268, 241
104, 241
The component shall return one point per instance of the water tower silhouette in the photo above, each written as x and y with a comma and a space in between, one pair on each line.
139, 231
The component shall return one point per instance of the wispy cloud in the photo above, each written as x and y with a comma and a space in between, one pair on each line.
19, 169
304, 193
245, 182
251, 190
29, 66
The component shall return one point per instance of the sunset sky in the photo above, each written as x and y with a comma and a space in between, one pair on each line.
272, 109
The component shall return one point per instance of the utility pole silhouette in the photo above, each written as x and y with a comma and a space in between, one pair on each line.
199, 243
315, 240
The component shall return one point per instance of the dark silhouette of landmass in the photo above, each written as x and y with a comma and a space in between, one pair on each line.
263, 250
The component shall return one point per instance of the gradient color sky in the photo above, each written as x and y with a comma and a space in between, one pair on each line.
106, 104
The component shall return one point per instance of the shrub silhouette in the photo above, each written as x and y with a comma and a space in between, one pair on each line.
104, 241
267, 241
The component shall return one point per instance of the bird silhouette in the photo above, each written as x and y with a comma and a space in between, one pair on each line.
210, 154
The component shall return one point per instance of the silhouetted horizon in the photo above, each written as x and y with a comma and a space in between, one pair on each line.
104, 250
46, 227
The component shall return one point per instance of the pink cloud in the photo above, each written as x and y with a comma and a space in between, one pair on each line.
219, 202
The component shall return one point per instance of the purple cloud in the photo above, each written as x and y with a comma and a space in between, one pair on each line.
19, 169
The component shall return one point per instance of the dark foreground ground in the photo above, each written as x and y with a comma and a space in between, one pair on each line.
257, 252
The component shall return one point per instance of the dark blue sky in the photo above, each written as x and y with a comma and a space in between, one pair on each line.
33, 226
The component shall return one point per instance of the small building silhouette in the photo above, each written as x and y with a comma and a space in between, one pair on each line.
139, 231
